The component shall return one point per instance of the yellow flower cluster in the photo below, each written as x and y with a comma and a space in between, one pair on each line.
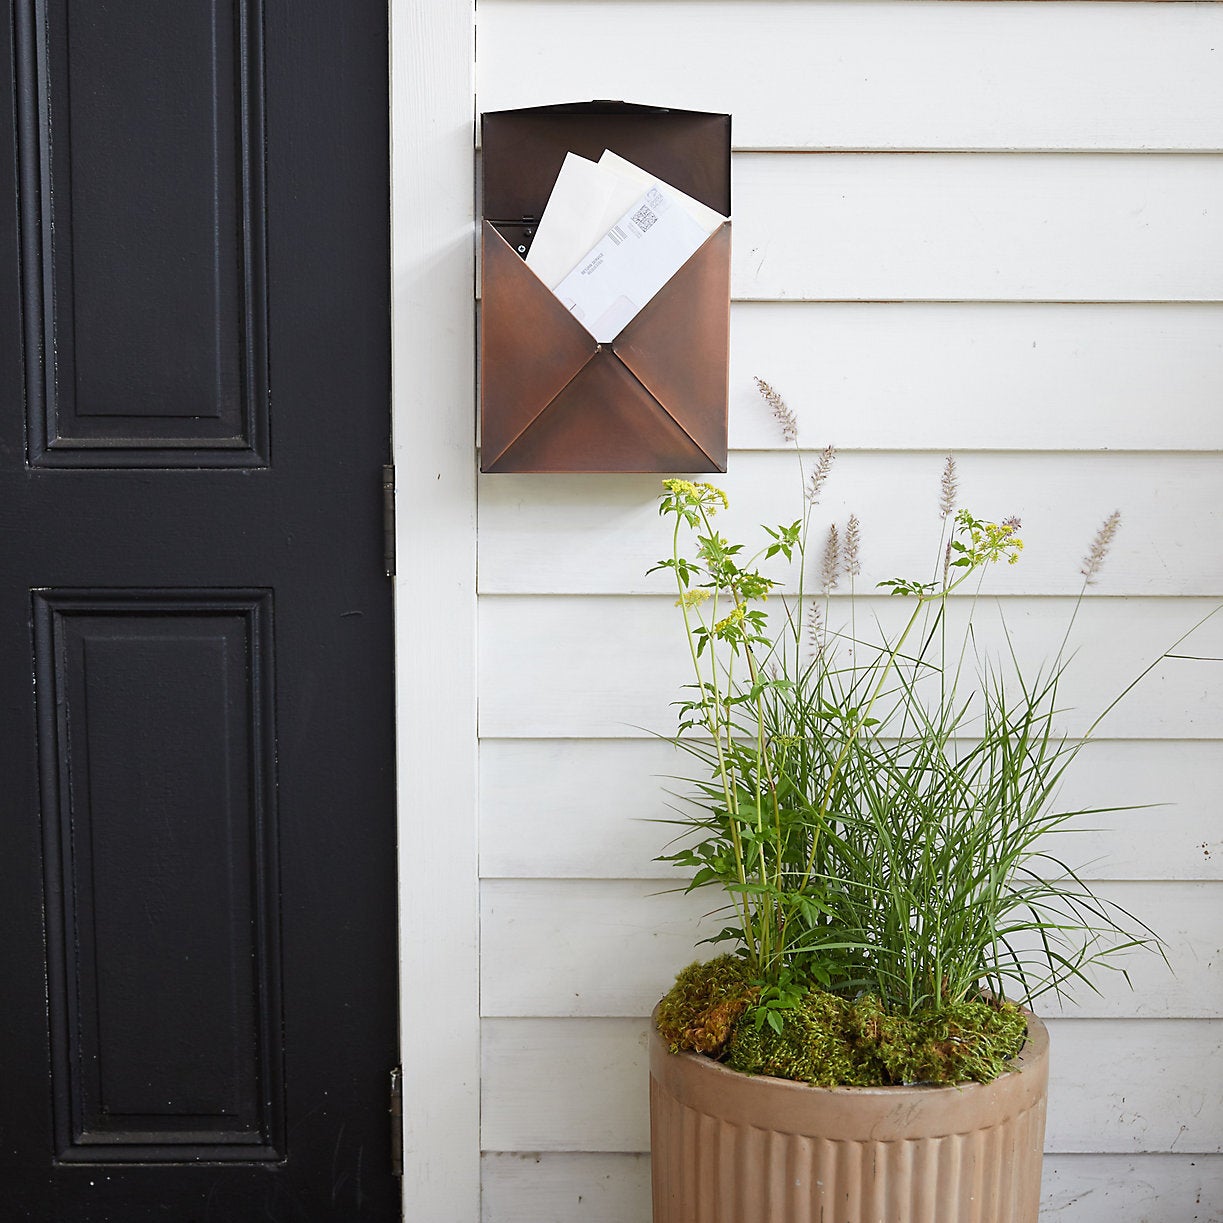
707, 495
991, 541
1002, 541
691, 598
735, 618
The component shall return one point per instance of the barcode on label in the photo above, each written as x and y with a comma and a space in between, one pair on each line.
644, 217
616, 234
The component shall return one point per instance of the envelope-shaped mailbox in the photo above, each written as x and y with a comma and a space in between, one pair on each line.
552, 397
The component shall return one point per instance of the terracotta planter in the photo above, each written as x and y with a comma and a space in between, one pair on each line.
732, 1148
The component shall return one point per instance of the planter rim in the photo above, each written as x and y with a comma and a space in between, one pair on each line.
872, 1113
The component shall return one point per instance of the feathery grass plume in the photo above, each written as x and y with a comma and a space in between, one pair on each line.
850, 553
781, 411
830, 570
815, 629
822, 467
1093, 562
950, 488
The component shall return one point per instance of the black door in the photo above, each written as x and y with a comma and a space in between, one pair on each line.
197, 891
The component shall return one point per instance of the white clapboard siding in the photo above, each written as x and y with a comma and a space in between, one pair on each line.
1132, 1189
574, 947
582, 1187
1116, 1085
1004, 376
992, 226
589, 809
1135, 1086
1007, 376
876, 75
564, 1187
571, 947
989, 228
564, 1085
553, 534
609, 666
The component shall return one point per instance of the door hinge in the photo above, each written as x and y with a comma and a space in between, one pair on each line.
388, 519
397, 1121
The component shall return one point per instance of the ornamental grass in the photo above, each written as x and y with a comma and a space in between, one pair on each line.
877, 806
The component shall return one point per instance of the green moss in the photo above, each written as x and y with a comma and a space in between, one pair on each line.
971, 1040
833, 1041
813, 1046
703, 1005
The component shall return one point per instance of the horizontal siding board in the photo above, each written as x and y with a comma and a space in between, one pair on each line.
568, 808
1117, 1086
583, 1187
558, 948
981, 376
1135, 1086
877, 75
1132, 1189
992, 227
564, 1085
552, 534
572, 808
550, 1187
609, 666
585, 947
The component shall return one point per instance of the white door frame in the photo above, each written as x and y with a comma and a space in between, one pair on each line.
433, 429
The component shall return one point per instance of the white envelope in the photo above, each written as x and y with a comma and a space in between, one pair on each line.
702, 214
638, 255
586, 201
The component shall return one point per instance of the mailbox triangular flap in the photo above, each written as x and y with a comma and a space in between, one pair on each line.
678, 345
530, 346
603, 421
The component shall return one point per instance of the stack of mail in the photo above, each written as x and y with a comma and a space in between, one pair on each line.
611, 236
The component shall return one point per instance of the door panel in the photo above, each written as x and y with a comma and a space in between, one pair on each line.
140, 141
197, 886
155, 730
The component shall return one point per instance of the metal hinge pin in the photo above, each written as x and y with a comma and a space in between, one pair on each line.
397, 1121
388, 518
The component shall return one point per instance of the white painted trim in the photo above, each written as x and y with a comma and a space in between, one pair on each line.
432, 220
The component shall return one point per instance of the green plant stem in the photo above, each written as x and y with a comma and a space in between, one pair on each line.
766, 927
715, 726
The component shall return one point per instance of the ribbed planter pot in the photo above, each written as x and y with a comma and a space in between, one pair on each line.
732, 1148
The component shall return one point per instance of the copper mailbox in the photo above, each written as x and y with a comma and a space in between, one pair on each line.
553, 398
